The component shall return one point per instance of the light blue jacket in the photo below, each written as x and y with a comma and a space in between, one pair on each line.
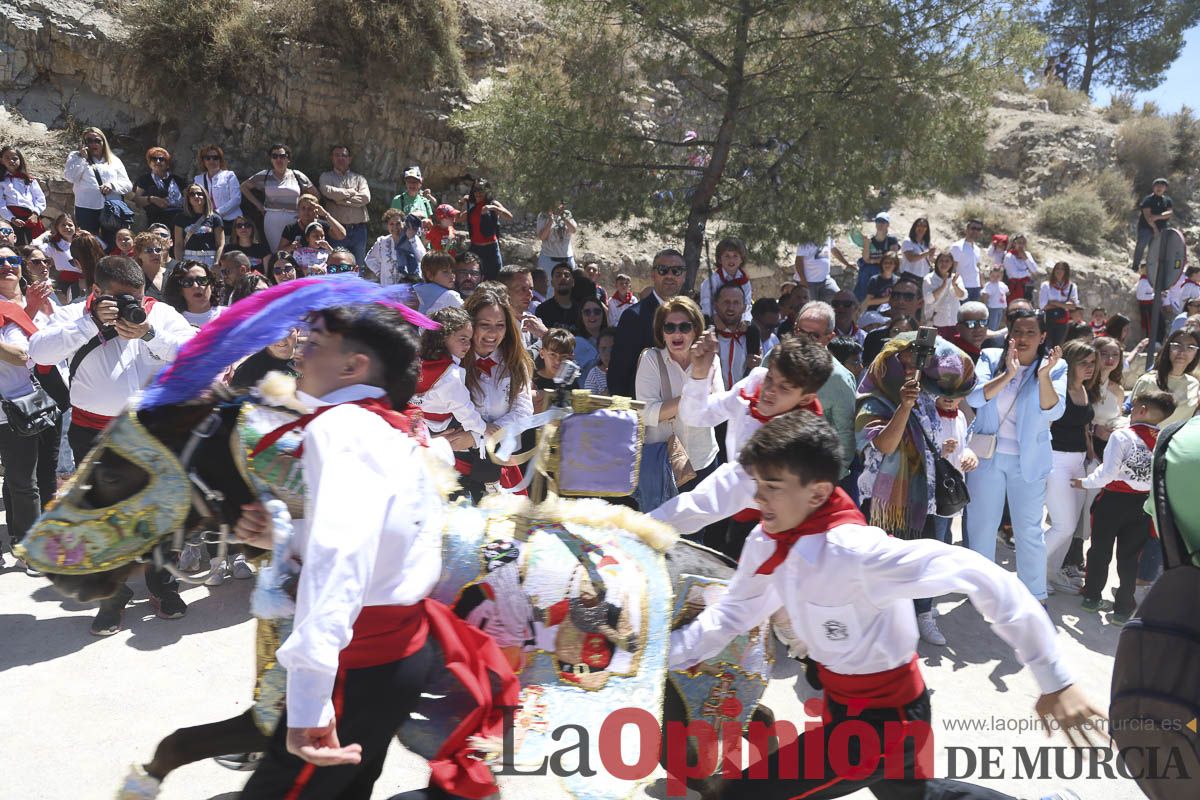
1033, 422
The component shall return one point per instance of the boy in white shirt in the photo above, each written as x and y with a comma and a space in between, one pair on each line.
848, 590
995, 294
622, 299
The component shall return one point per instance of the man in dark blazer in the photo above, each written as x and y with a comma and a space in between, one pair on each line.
636, 329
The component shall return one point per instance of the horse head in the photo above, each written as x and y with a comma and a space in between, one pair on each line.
153, 475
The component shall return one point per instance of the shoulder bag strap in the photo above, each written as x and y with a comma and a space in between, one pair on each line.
666, 382
83, 352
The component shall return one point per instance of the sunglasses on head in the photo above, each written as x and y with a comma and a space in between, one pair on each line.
682, 327
336, 269
194, 280
676, 271
974, 323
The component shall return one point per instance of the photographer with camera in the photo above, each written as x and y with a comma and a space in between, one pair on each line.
116, 341
555, 229
895, 429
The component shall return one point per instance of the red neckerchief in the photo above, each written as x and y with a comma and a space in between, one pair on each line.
734, 337
485, 365
962, 344
741, 279
409, 421
1147, 433
839, 509
947, 414
623, 299
1060, 287
11, 312
431, 371
752, 399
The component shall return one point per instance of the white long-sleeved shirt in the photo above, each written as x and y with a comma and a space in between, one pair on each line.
944, 311
118, 369
367, 541
82, 176
616, 308
713, 284
728, 489
449, 395
697, 438
60, 253
1020, 267
491, 398
967, 257
1126, 458
225, 191
381, 259
14, 380
849, 595
16, 192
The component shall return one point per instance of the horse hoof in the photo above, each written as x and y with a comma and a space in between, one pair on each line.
139, 786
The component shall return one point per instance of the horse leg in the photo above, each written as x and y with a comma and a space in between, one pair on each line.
187, 745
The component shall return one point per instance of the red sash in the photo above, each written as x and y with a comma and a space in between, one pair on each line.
11, 312
86, 419
409, 421
33, 223
888, 689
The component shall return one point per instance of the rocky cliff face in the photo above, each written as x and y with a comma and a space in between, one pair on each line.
67, 61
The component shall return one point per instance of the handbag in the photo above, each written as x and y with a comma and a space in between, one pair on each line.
677, 457
33, 413
949, 485
983, 445
115, 214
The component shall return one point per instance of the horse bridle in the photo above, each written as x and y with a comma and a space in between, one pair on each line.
207, 502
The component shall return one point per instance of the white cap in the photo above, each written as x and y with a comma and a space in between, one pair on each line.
414, 172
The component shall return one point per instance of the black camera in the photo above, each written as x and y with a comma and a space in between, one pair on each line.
129, 308
924, 346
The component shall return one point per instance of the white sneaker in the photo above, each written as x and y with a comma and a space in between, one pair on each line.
241, 569
189, 558
929, 629
1061, 581
220, 571
138, 785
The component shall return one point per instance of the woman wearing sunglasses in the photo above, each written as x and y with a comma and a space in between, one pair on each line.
199, 233
661, 373
95, 174
246, 239
281, 187
283, 268
190, 291
222, 185
159, 191
150, 251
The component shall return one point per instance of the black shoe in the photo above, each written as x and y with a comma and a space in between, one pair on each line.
168, 605
108, 620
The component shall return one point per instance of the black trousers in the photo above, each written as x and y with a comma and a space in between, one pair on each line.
19, 454
1118, 520
158, 581
374, 703
826, 782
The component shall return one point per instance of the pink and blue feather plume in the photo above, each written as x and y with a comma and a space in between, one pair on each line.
262, 319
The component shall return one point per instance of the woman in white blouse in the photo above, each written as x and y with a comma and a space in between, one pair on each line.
677, 324
221, 184
95, 173
916, 251
1057, 297
22, 201
944, 292
499, 373
1019, 267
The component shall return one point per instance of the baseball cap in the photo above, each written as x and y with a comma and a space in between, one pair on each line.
882, 216
413, 172
445, 210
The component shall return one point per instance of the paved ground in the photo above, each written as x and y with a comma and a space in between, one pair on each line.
80, 710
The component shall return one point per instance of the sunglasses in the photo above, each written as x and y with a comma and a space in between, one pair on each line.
158, 159
974, 323
154, 250
974, 228
212, 157
196, 194
336, 269
93, 140
676, 271
192, 280
6, 231
11, 260
903, 295
280, 155
243, 226
682, 327
40, 262
844, 304
278, 268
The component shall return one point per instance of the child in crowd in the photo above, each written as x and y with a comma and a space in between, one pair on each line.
1118, 514
1144, 292
951, 439
441, 392
848, 351
437, 292
848, 590
998, 250
790, 380
879, 288
558, 346
995, 294
124, 244
731, 268
1099, 321
622, 298
1188, 288
597, 380
442, 234
1077, 316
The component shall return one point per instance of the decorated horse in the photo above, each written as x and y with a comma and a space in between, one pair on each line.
580, 595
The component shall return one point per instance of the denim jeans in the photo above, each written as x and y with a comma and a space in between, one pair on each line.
974, 292
865, 273
1144, 235
996, 479
490, 261
19, 454
88, 219
355, 242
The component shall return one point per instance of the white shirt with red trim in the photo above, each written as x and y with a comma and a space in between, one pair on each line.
449, 395
849, 595
367, 540
118, 369
618, 306
491, 398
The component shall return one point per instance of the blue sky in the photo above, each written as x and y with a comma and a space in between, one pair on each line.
1180, 87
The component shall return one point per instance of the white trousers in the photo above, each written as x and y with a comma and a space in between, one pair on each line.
1065, 504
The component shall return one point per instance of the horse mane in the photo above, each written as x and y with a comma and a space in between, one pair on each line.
591, 512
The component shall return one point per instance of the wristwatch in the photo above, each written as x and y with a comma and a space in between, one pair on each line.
149, 335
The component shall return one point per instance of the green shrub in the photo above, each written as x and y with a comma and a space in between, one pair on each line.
1061, 99
1076, 216
1185, 142
1120, 106
1144, 149
995, 218
1115, 192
